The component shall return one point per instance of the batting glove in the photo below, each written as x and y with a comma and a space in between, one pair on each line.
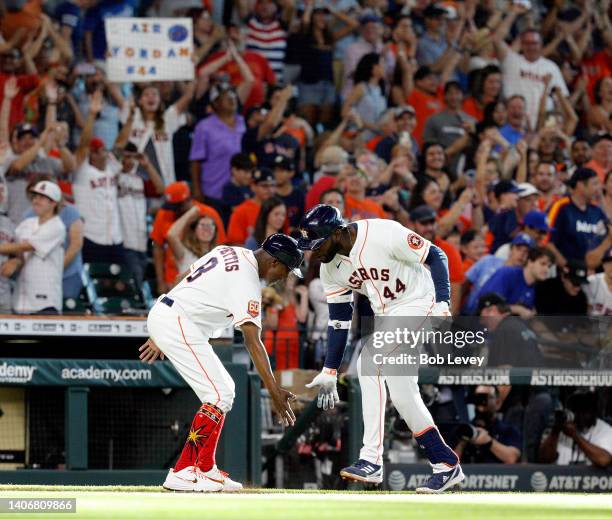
441, 309
328, 393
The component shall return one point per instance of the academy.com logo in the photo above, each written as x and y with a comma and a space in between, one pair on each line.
116, 375
16, 373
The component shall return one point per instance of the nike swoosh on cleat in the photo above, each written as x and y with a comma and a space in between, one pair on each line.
216, 480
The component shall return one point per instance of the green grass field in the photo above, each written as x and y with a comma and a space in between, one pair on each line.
153, 502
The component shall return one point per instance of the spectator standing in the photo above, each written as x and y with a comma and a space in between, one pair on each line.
93, 26
333, 160
11, 65
405, 124
39, 254
72, 279
369, 42
578, 225
426, 97
133, 206
191, 237
504, 225
70, 16
178, 201
535, 226
524, 74
96, 196
601, 153
266, 33
515, 128
367, 96
488, 90
284, 171
451, 128
154, 127
270, 220
243, 219
215, 140
238, 189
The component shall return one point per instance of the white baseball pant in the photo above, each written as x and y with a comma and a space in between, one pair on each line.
191, 354
405, 395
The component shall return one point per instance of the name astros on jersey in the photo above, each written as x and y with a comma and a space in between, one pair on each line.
385, 265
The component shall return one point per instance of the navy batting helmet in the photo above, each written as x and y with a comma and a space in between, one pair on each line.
317, 225
285, 249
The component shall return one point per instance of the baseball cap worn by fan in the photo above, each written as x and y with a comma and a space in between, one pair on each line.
332, 159
523, 239
423, 214
317, 225
218, 90
24, 129
526, 189
434, 11
283, 162
576, 272
96, 144
48, 189
263, 176
505, 186
285, 249
404, 109
536, 220
492, 299
177, 192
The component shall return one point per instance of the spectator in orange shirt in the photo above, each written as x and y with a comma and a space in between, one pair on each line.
601, 153
426, 98
243, 219
178, 202
423, 222
546, 182
356, 205
488, 88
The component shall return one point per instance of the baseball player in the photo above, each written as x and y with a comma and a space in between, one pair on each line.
221, 289
384, 261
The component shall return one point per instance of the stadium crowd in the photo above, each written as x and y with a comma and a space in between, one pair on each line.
485, 126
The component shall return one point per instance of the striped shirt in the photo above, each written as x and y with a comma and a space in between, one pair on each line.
269, 40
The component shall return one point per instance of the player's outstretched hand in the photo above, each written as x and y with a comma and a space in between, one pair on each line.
328, 392
150, 352
281, 401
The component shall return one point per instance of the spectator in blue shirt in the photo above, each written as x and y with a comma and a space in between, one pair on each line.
578, 225
69, 15
515, 129
284, 171
238, 189
93, 25
517, 284
507, 223
485, 267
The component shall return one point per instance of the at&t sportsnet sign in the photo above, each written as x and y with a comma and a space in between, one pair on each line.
508, 478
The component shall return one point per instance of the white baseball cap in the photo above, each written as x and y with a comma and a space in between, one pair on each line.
49, 189
526, 189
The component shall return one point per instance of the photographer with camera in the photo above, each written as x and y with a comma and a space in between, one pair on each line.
577, 435
488, 439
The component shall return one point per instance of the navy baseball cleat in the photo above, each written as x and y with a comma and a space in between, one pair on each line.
442, 481
363, 471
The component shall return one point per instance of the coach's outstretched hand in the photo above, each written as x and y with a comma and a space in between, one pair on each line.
281, 401
150, 352
328, 392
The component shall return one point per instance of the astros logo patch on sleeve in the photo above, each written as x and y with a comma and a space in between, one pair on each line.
253, 308
415, 242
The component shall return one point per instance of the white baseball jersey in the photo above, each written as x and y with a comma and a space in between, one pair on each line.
7, 235
95, 195
132, 211
386, 265
39, 284
222, 290
598, 295
144, 133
